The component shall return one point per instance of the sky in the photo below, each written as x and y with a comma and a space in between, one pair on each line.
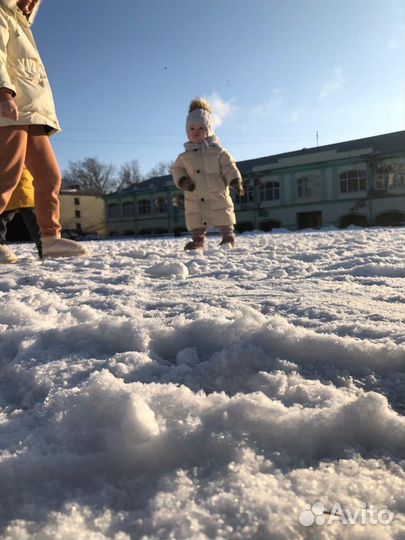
149, 394
281, 75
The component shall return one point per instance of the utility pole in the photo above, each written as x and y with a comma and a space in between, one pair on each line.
317, 141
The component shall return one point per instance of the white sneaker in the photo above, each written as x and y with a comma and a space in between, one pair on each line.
53, 246
7, 256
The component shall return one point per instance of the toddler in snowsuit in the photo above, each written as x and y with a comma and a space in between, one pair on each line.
204, 171
22, 201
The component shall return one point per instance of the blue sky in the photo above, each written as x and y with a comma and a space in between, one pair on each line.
276, 71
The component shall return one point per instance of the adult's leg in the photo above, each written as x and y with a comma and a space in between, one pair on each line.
13, 145
42, 163
28, 216
5, 219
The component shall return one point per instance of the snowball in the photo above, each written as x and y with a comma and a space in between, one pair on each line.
178, 270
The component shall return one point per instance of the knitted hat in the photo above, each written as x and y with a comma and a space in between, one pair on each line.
199, 114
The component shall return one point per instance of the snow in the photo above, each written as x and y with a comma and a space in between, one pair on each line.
153, 395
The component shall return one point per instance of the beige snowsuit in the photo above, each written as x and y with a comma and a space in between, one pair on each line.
211, 168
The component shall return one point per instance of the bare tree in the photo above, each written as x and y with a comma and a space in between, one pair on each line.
129, 175
162, 168
91, 176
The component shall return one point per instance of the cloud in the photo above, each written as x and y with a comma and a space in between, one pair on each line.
269, 107
221, 109
293, 116
394, 43
333, 84
395, 38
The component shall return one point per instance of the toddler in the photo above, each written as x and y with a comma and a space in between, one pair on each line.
204, 171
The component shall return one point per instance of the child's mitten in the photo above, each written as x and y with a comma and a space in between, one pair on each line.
186, 184
237, 185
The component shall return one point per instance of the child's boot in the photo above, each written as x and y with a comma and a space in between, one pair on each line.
228, 236
190, 246
198, 240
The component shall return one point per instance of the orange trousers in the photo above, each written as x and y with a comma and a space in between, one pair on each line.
30, 145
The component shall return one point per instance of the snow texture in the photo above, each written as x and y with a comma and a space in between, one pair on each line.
149, 395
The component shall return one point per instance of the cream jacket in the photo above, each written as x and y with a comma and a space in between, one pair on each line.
22, 71
211, 168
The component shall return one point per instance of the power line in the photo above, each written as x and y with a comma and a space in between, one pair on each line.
147, 143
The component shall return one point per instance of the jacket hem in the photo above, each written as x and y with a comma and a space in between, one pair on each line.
51, 128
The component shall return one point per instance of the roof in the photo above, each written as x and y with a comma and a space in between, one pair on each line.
155, 182
78, 193
390, 143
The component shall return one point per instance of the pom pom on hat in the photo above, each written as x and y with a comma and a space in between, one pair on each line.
199, 103
199, 113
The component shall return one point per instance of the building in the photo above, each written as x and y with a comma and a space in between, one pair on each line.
154, 206
359, 182
81, 213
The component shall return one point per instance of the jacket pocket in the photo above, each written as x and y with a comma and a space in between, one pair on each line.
31, 69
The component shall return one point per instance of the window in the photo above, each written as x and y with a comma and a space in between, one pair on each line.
128, 209
353, 181
390, 176
76, 201
144, 206
77, 213
309, 187
113, 210
270, 191
161, 205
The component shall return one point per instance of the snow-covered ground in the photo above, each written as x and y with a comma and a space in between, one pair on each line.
149, 395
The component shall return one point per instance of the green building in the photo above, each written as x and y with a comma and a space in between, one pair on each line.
359, 182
